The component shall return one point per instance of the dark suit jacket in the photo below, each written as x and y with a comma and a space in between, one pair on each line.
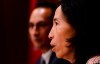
55, 60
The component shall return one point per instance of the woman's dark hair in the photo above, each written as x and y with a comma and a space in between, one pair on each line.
76, 13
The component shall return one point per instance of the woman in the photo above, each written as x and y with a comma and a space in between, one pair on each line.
68, 34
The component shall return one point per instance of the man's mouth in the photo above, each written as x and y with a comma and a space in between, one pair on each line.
37, 39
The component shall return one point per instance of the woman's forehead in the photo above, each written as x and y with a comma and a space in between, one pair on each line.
59, 14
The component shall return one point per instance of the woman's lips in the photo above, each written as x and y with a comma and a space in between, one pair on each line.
53, 48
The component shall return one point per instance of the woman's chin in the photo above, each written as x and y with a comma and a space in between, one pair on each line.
58, 55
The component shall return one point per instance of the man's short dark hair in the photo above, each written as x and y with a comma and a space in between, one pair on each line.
46, 4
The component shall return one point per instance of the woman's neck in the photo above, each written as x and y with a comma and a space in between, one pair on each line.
70, 57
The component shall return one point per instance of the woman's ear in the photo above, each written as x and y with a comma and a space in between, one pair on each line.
68, 43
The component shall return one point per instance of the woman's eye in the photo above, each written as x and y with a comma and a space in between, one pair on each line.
56, 23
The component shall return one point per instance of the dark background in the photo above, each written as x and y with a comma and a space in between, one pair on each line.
13, 31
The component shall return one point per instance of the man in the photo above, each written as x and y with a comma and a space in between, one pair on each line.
40, 23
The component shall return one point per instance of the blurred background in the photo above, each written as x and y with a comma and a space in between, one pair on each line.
15, 46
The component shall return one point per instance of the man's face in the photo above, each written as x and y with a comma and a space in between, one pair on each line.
39, 27
60, 33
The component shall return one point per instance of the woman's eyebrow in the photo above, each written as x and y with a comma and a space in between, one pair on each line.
55, 19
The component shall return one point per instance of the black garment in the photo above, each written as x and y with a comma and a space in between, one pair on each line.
54, 60
43, 62
61, 61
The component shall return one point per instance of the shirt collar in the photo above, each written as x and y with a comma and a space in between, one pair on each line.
46, 56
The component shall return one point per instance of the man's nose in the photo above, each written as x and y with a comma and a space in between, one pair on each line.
35, 31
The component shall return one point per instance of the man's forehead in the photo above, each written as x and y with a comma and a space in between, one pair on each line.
39, 11
42, 11
40, 14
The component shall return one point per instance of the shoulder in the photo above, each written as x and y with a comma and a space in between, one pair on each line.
94, 60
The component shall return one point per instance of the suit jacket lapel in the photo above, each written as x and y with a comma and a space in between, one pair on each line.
52, 57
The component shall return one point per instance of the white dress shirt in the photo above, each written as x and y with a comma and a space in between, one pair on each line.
46, 56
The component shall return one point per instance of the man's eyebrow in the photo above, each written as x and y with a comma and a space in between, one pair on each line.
30, 22
42, 23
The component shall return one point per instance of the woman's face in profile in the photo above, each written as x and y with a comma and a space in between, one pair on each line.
60, 33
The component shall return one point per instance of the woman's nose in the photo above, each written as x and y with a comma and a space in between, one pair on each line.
51, 34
